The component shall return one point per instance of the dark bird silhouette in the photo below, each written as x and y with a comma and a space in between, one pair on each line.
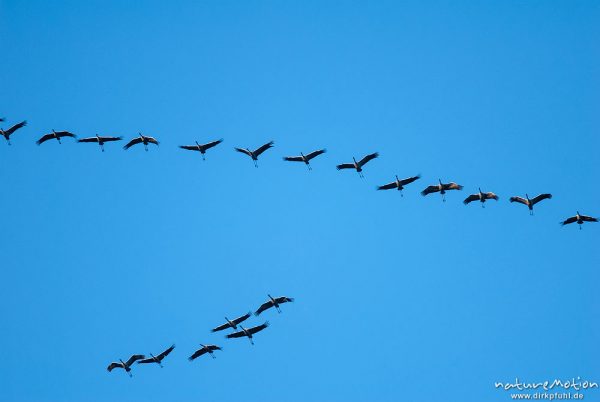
254, 154
201, 147
7, 133
1, 119
481, 197
580, 219
441, 188
55, 135
142, 139
273, 302
358, 165
248, 332
399, 184
530, 202
158, 358
125, 365
100, 140
232, 323
203, 350
305, 158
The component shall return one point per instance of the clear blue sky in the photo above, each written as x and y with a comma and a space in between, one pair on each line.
397, 298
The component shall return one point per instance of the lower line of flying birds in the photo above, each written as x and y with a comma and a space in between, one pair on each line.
356, 165
210, 349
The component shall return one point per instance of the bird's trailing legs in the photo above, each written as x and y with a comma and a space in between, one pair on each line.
255, 164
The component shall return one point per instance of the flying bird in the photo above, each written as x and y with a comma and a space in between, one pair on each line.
273, 302
399, 184
232, 323
358, 165
201, 147
580, 219
481, 197
2, 119
158, 358
203, 350
248, 332
142, 139
305, 158
100, 140
530, 202
55, 135
8, 132
441, 188
125, 365
254, 154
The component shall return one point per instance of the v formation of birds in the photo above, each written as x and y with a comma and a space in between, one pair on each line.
238, 331
398, 184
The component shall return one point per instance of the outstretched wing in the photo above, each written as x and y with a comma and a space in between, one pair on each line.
518, 199
114, 365
263, 307
567, 221
471, 198
65, 134
430, 189
197, 354
209, 145
284, 299
238, 334
345, 166
540, 197
293, 158
152, 140
189, 147
244, 151
452, 186
409, 180
148, 360
109, 139
491, 196
316, 153
214, 347
242, 318
88, 139
258, 328
15, 127
45, 138
220, 327
264, 148
588, 218
165, 353
367, 158
133, 142
134, 358
388, 186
